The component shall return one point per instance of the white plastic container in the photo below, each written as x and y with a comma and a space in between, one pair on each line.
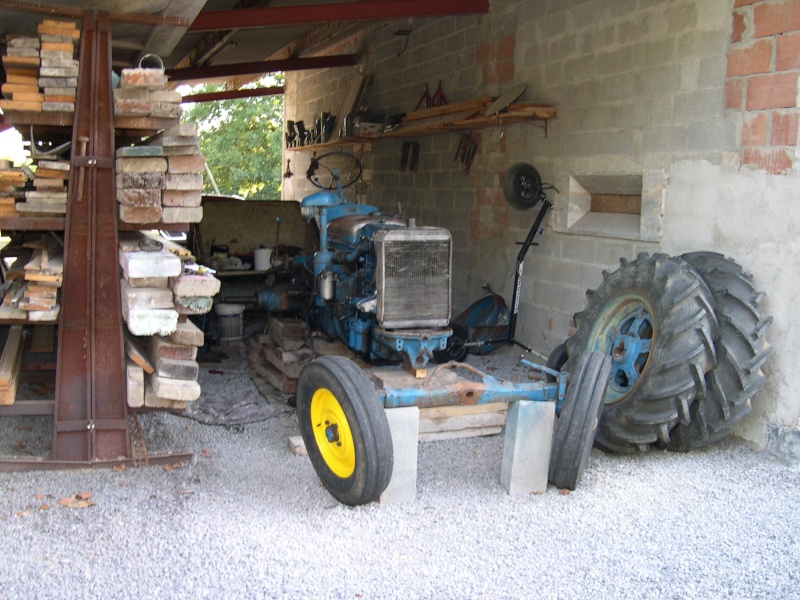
231, 325
261, 258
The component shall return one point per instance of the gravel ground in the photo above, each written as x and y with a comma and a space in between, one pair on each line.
248, 519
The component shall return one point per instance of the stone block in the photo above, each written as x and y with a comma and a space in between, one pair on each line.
151, 282
195, 285
140, 215
526, 451
132, 108
181, 390
150, 164
165, 348
186, 164
404, 425
182, 214
175, 368
166, 96
150, 264
144, 297
142, 181
150, 79
152, 400
182, 198
139, 151
135, 384
165, 110
181, 130
158, 321
188, 334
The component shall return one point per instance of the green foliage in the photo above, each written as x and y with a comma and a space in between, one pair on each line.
242, 141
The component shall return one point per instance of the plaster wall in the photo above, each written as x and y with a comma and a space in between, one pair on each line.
640, 86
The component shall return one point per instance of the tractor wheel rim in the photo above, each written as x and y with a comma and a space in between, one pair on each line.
332, 433
625, 331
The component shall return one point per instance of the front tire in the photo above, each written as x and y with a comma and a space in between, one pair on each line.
576, 426
654, 316
345, 430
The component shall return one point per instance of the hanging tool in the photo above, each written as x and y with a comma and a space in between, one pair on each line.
288, 172
465, 152
409, 157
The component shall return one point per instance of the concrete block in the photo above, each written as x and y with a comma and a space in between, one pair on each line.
152, 400
404, 425
166, 110
139, 214
139, 151
153, 181
159, 321
181, 198
150, 264
193, 305
195, 285
526, 451
151, 79
188, 334
181, 130
143, 297
142, 198
175, 368
149, 282
174, 389
135, 384
186, 164
166, 96
181, 214
297, 445
152, 164
165, 348
184, 181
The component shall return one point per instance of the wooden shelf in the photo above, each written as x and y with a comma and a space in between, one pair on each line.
32, 223
337, 143
123, 126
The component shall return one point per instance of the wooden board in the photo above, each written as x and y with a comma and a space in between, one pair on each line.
11, 352
137, 355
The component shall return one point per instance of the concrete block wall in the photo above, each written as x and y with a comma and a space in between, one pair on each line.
643, 89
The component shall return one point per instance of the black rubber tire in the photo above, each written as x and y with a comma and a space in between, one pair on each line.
741, 352
670, 376
455, 349
371, 436
522, 186
557, 359
576, 427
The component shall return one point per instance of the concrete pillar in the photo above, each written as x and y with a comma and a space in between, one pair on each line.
404, 425
526, 452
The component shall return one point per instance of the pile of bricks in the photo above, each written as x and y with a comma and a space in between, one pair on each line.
143, 93
41, 71
157, 295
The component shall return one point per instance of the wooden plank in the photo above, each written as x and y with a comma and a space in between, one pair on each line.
463, 433
12, 349
137, 355
476, 104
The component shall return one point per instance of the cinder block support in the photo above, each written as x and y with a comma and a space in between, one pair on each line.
526, 452
404, 424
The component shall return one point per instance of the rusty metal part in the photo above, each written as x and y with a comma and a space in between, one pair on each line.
138, 446
10, 464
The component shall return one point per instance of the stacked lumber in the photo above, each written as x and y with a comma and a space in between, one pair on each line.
162, 181
12, 186
157, 294
277, 356
143, 93
49, 195
41, 71
10, 363
44, 273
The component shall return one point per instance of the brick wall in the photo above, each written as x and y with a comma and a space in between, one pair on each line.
761, 81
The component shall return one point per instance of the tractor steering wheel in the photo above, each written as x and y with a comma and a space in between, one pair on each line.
341, 167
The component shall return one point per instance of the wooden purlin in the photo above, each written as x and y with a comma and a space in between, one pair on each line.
90, 410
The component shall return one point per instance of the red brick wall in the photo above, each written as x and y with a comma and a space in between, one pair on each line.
761, 80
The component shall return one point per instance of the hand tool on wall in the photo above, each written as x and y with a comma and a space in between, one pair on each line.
466, 152
409, 157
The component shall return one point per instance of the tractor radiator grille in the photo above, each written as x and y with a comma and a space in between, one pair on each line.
413, 277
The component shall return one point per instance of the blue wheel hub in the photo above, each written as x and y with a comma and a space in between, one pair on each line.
625, 331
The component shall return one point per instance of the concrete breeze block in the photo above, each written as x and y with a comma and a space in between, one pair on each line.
174, 389
526, 450
150, 264
166, 348
159, 321
404, 425
144, 297
195, 285
188, 334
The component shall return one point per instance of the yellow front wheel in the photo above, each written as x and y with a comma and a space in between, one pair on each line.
345, 429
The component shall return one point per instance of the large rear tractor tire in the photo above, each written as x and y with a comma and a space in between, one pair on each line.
576, 426
345, 430
741, 352
654, 317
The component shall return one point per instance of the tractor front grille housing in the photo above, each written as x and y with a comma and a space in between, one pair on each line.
413, 277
